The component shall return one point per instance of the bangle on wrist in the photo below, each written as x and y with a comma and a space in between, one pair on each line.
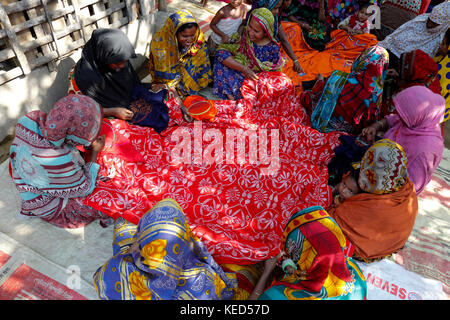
286, 263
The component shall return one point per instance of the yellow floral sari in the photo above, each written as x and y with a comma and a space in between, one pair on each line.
189, 70
160, 259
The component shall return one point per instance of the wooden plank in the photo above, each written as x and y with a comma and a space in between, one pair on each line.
45, 59
84, 3
100, 7
54, 14
23, 5
53, 55
22, 35
52, 29
4, 19
40, 34
6, 54
121, 22
100, 15
131, 12
29, 24
145, 7
39, 42
76, 8
9, 75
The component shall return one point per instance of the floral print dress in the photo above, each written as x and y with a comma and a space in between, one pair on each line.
228, 81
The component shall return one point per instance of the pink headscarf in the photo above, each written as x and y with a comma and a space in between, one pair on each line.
416, 127
74, 118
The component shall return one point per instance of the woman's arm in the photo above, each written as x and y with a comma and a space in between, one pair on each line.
370, 132
266, 276
303, 24
233, 64
322, 11
288, 49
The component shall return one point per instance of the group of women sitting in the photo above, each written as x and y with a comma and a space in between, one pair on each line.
292, 236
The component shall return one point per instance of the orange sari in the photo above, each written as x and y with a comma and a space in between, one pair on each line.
339, 53
377, 225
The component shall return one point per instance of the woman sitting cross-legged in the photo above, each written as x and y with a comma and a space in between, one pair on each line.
313, 264
257, 51
105, 74
348, 102
179, 59
47, 169
160, 259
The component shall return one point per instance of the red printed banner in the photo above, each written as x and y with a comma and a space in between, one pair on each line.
18, 281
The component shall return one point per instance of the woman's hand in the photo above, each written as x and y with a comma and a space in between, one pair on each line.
158, 86
250, 74
119, 113
297, 67
225, 39
184, 111
370, 132
270, 264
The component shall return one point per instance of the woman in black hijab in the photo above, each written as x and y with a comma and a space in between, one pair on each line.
105, 74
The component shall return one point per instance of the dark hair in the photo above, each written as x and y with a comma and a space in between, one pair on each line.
187, 26
354, 173
364, 5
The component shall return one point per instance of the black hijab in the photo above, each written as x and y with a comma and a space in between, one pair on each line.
93, 76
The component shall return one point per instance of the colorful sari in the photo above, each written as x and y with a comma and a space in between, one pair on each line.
379, 221
228, 81
339, 53
49, 173
314, 241
268, 4
350, 101
160, 259
190, 70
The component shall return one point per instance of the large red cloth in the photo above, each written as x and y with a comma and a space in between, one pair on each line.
236, 209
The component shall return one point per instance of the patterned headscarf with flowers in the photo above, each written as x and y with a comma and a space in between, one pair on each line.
383, 168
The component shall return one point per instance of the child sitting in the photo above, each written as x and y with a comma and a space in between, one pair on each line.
358, 23
226, 22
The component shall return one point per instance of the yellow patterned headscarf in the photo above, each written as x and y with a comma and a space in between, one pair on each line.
383, 168
243, 51
189, 69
